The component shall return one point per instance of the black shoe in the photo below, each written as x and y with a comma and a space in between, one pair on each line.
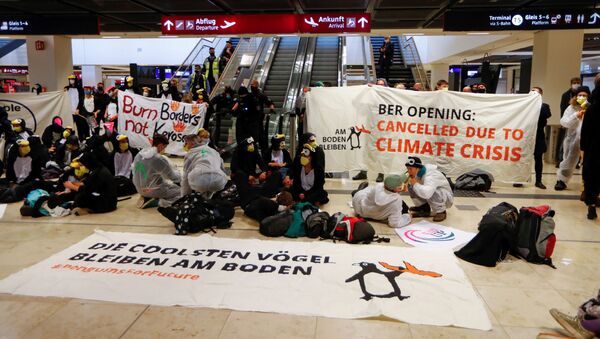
361, 187
423, 208
540, 185
379, 177
168, 212
592, 212
517, 185
560, 186
362, 175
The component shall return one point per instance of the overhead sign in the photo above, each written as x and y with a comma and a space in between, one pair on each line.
334, 22
35, 25
229, 24
522, 20
266, 24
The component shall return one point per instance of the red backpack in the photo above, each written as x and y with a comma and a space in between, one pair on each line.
535, 234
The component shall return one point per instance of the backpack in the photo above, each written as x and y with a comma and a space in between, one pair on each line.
125, 186
475, 180
355, 230
300, 212
35, 199
195, 214
495, 239
276, 225
316, 224
535, 235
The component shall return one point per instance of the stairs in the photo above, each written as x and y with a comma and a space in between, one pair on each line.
399, 72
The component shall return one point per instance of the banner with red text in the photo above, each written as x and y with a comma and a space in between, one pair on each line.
414, 285
141, 117
377, 128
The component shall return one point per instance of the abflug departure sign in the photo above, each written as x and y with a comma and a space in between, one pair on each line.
523, 20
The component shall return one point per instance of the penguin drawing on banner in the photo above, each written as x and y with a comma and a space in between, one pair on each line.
370, 268
354, 137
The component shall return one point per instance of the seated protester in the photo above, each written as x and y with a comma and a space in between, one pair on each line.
309, 180
429, 190
154, 177
53, 134
382, 201
66, 133
247, 162
22, 167
62, 194
97, 192
122, 158
68, 151
38, 150
203, 169
20, 130
261, 201
277, 157
95, 144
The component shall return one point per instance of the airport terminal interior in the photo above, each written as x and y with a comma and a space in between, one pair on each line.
323, 58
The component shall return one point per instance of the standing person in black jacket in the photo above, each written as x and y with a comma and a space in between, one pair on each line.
386, 58
564, 103
590, 145
97, 193
248, 117
540, 140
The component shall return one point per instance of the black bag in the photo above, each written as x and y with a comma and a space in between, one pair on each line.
316, 224
276, 225
496, 237
125, 186
353, 230
195, 214
535, 235
475, 180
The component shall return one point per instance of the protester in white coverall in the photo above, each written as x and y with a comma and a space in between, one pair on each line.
154, 177
382, 201
429, 190
571, 120
202, 168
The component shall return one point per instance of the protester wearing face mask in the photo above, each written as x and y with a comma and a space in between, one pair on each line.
203, 169
101, 96
262, 102
277, 157
168, 91
129, 86
318, 160
69, 150
90, 109
52, 134
248, 117
154, 177
540, 140
429, 190
205, 140
97, 190
442, 85
146, 91
196, 81
222, 103
22, 167
211, 70
386, 58
571, 120
20, 130
75, 92
247, 162
309, 180
123, 157
564, 103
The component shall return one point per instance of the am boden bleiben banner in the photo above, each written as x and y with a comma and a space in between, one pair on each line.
376, 128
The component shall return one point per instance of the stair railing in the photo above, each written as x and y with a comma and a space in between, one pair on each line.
411, 56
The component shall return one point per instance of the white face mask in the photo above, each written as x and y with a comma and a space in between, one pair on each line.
165, 87
145, 94
71, 81
575, 86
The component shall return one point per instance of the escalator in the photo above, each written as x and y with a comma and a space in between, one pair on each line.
325, 61
399, 71
276, 86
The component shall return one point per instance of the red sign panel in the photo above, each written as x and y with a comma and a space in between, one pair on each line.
334, 22
229, 24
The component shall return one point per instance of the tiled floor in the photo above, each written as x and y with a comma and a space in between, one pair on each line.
516, 294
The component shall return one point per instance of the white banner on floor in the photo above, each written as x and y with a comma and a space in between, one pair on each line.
428, 234
37, 110
141, 117
377, 128
304, 278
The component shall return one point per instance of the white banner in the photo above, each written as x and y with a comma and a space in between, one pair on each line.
377, 128
306, 278
140, 117
38, 110
428, 234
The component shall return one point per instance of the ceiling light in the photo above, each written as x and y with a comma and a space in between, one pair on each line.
478, 33
111, 37
168, 36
